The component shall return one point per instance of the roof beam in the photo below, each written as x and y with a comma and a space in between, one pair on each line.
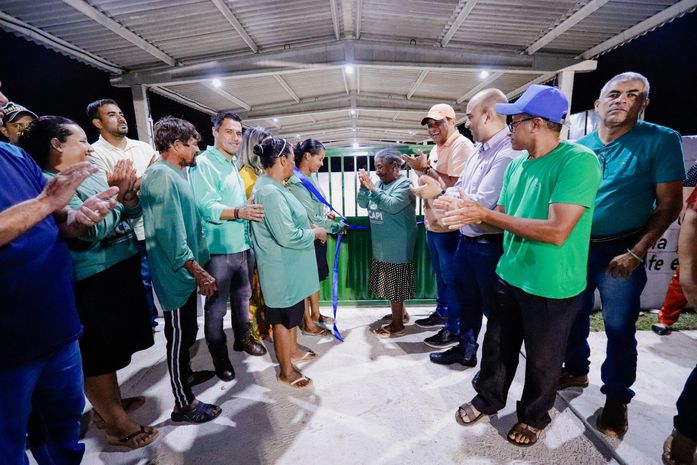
467, 7
346, 85
226, 95
333, 55
335, 18
232, 19
653, 22
358, 80
567, 24
418, 82
58, 44
287, 88
96, 15
177, 97
482, 85
341, 123
544, 78
359, 7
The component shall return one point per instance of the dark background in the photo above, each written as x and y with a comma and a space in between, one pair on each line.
50, 83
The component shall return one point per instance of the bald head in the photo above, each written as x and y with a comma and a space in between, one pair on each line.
482, 119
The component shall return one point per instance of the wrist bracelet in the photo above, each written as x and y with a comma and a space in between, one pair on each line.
631, 252
236, 213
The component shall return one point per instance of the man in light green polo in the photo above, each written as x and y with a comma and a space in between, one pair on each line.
221, 200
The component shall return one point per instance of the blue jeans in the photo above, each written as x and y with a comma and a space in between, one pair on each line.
52, 387
147, 282
441, 249
475, 286
620, 299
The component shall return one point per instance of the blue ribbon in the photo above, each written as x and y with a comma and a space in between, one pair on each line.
335, 272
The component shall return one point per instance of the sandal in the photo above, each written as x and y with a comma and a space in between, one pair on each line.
524, 431
199, 413
295, 383
383, 332
612, 420
467, 410
307, 356
140, 438
679, 450
321, 333
388, 317
129, 404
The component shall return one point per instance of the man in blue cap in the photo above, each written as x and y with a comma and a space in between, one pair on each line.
545, 211
639, 197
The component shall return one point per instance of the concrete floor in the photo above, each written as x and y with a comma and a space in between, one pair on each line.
382, 402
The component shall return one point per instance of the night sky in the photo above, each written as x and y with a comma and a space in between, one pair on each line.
51, 83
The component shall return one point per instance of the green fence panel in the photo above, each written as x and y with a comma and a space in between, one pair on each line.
354, 267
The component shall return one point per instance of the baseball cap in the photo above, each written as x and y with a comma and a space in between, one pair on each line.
547, 102
439, 112
12, 111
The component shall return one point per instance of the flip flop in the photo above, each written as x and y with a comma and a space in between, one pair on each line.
307, 356
384, 333
467, 410
321, 333
681, 446
130, 440
388, 317
129, 404
532, 434
294, 383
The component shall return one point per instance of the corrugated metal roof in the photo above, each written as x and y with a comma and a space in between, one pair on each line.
409, 53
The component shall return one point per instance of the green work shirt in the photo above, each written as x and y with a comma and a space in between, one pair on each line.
284, 246
568, 174
392, 213
173, 233
316, 210
106, 243
217, 185
632, 165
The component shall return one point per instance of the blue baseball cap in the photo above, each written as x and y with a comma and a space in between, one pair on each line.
547, 102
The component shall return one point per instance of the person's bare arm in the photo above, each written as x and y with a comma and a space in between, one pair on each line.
668, 206
54, 199
561, 220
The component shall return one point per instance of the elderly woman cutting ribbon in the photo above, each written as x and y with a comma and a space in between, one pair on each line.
391, 209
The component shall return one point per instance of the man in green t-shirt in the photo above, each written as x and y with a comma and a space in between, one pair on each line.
545, 210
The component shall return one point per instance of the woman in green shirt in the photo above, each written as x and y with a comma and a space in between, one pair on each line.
391, 209
283, 243
309, 158
109, 293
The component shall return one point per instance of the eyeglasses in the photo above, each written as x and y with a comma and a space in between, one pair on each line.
513, 124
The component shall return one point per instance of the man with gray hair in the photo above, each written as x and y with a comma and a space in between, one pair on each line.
639, 197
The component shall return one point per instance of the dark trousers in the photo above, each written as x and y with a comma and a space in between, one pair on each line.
475, 274
441, 249
181, 328
51, 389
231, 271
686, 419
621, 305
543, 325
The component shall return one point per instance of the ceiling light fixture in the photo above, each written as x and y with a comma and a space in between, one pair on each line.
484, 74
217, 82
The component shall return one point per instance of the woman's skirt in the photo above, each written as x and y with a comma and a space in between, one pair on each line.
114, 313
321, 255
392, 281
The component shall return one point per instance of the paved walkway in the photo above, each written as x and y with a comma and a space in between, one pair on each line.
382, 402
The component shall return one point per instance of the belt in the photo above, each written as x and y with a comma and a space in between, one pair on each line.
623, 236
484, 239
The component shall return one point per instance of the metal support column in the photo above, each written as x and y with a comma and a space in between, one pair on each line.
141, 107
566, 85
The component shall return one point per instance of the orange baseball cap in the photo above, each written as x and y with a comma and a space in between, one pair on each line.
439, 112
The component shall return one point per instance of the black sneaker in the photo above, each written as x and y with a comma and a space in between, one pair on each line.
660, 329
434, 320
453, 355
442, 338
